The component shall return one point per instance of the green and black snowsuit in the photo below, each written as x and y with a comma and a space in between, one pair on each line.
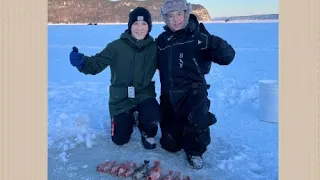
132, 63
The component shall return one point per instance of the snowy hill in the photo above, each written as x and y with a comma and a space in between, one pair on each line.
263, 17
105, 11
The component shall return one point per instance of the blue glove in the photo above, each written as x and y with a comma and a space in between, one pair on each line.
76, 58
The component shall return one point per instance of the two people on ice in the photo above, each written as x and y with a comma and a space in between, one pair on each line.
183, 54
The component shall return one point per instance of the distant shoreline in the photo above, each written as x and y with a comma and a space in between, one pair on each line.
206, 22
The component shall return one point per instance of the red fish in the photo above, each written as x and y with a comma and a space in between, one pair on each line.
114, 170
155, 172
105, 167
130, 170
124, 168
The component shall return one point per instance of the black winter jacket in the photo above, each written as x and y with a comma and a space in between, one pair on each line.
185, 55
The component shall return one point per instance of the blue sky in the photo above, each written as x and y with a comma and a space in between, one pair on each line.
219, 8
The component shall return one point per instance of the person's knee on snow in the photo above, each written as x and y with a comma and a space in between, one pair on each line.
120, 140
121, 128
170, 143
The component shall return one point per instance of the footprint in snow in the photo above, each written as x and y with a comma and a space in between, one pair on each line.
255, 168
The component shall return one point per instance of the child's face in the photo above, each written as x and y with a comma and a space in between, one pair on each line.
139, 29
176, 20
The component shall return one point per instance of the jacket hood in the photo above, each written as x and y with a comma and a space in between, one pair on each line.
193, 25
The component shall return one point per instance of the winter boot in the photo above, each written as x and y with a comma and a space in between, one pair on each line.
148, 142
195, 162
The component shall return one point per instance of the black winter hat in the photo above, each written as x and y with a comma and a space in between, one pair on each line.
140, 13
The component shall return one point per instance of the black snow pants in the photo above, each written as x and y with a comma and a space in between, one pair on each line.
185, 125
149, 117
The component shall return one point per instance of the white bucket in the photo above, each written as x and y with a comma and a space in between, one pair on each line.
268, 97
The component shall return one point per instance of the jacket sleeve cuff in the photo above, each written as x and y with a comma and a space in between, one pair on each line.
82, 63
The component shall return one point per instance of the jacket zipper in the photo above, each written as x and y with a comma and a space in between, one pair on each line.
131, 74
199, 70
170, 65
197, 65
131, 77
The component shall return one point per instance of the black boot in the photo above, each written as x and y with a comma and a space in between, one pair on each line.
148, 142
195, 162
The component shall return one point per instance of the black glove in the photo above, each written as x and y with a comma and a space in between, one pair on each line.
203, 29
193, 23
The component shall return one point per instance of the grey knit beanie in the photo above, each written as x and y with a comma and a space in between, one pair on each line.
175, 5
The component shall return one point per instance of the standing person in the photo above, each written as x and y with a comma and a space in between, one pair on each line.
185, 52
133, 62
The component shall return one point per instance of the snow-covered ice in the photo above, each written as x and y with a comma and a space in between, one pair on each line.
243, 147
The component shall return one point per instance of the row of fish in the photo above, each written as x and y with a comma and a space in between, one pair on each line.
130, 169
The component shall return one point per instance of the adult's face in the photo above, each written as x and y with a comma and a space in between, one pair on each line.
176, 20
